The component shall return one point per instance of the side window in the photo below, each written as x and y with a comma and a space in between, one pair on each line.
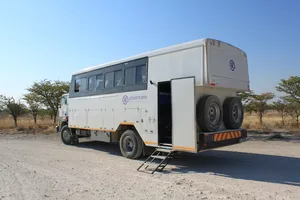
130, 76
118, 78
99, 82
109, 80
92, 83
63, 101
80, 84
141, 77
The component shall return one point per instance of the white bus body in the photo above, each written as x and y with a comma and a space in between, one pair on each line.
157, 94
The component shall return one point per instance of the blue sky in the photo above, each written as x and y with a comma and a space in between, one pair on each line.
52, 39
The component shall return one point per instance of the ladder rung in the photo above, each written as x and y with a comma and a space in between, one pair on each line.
164, 150
166, 144
161, 165
159, 157
150, 164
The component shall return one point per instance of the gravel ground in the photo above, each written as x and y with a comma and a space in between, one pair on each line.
41, 167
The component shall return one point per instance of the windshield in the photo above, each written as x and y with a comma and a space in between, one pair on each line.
64, 101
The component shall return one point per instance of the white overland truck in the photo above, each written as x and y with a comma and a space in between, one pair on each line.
180, 98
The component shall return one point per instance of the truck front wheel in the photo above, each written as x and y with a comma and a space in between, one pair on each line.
67, 136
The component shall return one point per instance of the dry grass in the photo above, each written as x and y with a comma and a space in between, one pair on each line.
26, 123
271, 122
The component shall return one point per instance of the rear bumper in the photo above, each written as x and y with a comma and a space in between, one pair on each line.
220, 139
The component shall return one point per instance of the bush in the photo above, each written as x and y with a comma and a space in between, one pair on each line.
21, 129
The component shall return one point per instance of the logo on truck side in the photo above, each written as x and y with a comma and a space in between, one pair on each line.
126, 98
232, 65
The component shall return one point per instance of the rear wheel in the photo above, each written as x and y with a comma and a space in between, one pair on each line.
209, 113
131, 145
233, 113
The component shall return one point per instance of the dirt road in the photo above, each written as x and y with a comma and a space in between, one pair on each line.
42, 167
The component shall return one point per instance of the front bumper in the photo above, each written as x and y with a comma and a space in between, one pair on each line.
57, 129
220, 139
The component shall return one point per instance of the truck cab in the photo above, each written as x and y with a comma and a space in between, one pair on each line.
62, 112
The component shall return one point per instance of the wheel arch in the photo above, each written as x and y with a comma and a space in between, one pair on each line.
127, 126
64, 123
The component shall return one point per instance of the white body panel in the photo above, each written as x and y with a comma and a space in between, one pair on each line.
100, 136
227, 66
208, 63
183, 117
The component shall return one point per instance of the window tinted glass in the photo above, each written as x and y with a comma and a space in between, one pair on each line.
80, 85
118, 78
130, 76
92, 83
141, 74
122, 77
99, 82
63, 101
109, 80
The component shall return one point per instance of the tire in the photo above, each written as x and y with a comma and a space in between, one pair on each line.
67, 136
233, 113
131, 145
209, 113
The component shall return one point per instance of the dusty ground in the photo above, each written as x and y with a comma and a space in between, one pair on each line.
42, 167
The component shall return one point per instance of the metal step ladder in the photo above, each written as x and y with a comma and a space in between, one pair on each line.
158, 155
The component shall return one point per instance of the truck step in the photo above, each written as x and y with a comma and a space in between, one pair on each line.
157, 154
166, 144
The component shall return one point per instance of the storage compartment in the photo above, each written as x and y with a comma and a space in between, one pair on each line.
227, 66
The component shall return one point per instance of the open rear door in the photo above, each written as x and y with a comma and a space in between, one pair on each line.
183, 114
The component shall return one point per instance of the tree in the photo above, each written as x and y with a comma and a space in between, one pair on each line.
246, 100
12, 107
245, 96
33, 105
293, 108
294, 111
250, 107
48, 93
290, 86
281, 107
44, 112
259, 104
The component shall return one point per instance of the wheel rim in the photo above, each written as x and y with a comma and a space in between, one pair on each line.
66, 135
128, 144
236, 113
214, 113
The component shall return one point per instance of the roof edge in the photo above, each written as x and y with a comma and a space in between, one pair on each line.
151, 53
